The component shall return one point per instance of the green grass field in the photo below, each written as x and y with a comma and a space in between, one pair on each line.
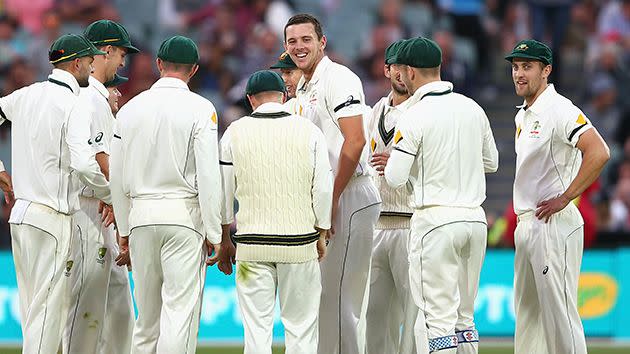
278, 350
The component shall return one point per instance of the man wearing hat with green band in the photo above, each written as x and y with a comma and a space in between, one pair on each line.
558, 155
166, 189
443, 146
276, 165
50, 154
97, 246
291, 75
390, 304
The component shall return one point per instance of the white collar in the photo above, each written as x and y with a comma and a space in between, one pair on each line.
324, 63
270, 107
543, 101
433, 88
66, 78
171, 82
99, 87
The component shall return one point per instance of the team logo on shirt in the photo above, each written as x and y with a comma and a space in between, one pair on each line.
69, 265
373, 144
398, 137
100, 258
99, 137
535, 132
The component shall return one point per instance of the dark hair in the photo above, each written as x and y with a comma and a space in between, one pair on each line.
304, 18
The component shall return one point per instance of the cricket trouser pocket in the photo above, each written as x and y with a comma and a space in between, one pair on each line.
546, 272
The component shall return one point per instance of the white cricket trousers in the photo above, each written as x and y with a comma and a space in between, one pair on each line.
42, 264
95, 279
299, 290
345, 270
446, 251
546, 271
390, 304
169, 272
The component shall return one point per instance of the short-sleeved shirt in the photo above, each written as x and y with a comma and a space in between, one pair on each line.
547, 159
102, 121
333, 92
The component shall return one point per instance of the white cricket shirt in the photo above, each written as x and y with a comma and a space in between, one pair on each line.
333, 92
443, 147
164, 161
547, 159
102, 126
49, 136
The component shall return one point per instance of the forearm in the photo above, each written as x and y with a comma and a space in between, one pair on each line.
347, 165
103, 162
592, 164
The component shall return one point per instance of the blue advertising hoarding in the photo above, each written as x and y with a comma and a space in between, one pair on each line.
603, 283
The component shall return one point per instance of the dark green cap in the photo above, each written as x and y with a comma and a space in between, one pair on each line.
71, 46
117, 80
107, 32
180, 50
418, 52
531, 49
284, 62
392, 50
264, 80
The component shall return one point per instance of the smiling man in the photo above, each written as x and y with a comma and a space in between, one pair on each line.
332, 97
558, 155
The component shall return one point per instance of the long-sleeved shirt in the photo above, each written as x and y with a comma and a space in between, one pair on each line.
276, 165
443, 147
164, 165
49, 138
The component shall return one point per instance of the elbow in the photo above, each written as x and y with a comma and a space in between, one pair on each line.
393, 182
493, 167
605, 155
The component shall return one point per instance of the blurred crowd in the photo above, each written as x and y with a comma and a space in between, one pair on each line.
238, 37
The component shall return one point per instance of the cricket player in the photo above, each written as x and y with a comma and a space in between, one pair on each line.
331, 96
51, 156
96, 244
291, 75
114, 93
443, 147
558, 155
390, 305
276, 165
166, 188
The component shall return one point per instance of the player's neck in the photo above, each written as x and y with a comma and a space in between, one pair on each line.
531, 99
397, 98
100, 76
308, 73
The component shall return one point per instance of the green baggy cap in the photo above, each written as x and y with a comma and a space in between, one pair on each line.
117, 80
71, 46
264, 80
418, 52
392, 50
284, 62
531, 49
107, 32
179, 50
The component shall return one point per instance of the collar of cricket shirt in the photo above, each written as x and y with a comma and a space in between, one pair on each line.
170, 82
270, 110
544, 101
435, 88
65, 79
319, 70
100, 88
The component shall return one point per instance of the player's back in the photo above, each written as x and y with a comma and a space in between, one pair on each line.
451, 158
160, 126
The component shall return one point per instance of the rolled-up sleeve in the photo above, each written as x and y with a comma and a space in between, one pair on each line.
82, 158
